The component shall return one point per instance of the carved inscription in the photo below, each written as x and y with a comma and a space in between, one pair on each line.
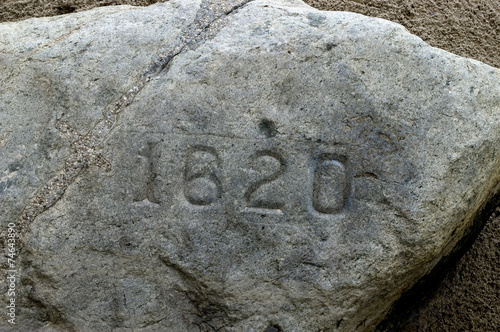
203, 186
272, 166
331, 185
149, 156
273, 180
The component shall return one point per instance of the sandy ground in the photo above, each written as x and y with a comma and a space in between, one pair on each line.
16, 10
468, 298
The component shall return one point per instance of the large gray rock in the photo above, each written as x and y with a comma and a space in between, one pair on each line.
233, 166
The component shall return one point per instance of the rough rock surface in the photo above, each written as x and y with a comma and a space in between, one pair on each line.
465, 27
273, 166
469, 297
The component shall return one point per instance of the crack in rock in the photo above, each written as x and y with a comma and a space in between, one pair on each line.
207, 23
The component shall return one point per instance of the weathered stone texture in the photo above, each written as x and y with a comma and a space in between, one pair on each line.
232, 166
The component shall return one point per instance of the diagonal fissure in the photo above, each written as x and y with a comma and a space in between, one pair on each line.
206, 25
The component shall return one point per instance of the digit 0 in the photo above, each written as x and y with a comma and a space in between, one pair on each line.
331, 185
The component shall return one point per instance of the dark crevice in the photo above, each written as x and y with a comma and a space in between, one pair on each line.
423, 291
274, 328
65, 9
267, 128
